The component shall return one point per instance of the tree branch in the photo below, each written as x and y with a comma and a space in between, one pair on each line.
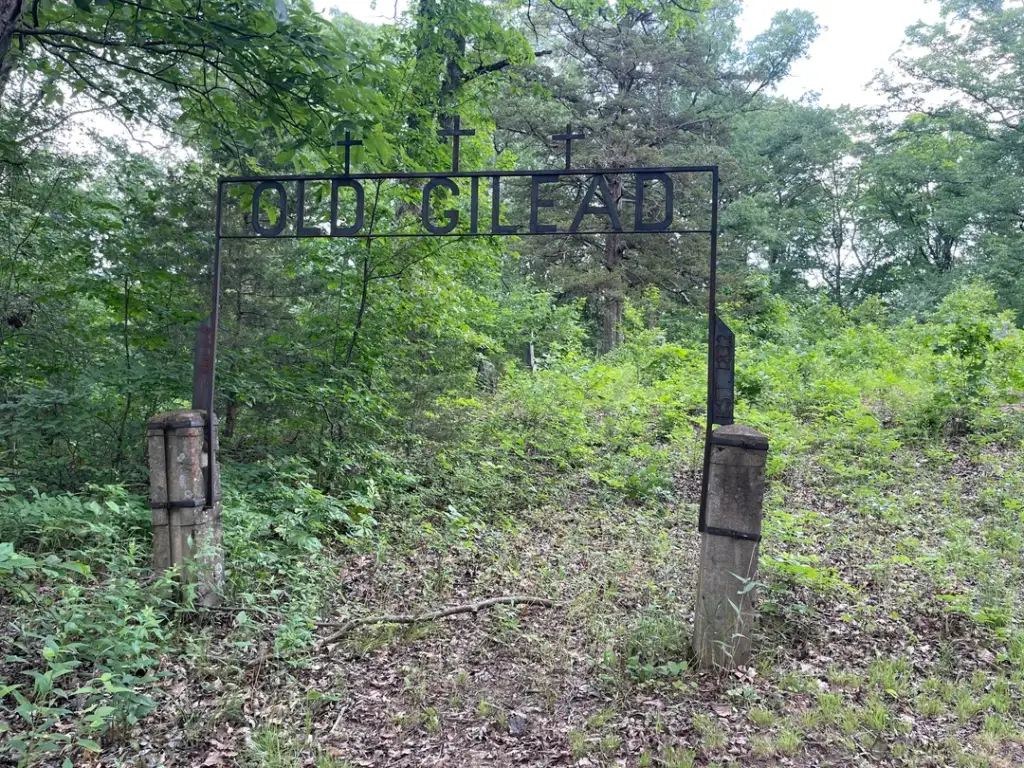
348, 626
485, 69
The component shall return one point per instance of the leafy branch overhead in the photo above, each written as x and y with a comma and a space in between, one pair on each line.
247, 68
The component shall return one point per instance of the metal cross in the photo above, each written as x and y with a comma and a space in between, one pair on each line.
348, 143
568, 138
455, 133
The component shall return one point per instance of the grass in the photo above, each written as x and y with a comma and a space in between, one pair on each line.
762, 718
626, 635
275, 747
789, 741
763, 747
676, 757
712, 734
889, 616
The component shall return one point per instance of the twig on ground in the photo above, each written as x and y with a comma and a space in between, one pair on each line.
237, 609
433, 616
337, 722
265, 612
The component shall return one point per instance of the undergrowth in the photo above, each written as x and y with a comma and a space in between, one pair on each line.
867, 421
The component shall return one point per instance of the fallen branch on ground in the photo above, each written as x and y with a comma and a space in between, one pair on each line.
265, 612
416, 618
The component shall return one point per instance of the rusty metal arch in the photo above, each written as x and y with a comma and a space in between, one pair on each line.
721, 341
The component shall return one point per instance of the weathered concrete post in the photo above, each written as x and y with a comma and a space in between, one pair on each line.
729, 547
186, 525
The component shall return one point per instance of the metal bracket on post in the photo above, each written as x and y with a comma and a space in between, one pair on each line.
160, 429
189, 504
723, 353
204, 371
202, 365
721, 399
729, 533
722, 441
723, 374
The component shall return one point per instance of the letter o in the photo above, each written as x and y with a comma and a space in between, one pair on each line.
282, 209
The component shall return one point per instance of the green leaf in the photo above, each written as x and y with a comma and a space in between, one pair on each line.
265, 24
90, 745
26, 711
77, 567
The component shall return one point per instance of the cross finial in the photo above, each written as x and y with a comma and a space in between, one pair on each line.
568, 138
348, 143
455, 133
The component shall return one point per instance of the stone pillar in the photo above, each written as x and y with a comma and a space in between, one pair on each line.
187, 530
724, 611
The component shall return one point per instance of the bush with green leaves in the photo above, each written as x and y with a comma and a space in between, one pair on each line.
277, 523
976, 354
88, 622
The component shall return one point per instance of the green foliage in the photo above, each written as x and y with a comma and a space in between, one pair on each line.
236, 72
655, 646
276, 526
967, 372
870, 270
91, 622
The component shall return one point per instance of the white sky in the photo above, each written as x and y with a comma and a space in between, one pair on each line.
857, 39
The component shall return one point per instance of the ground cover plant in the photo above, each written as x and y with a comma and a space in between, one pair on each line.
889, 629
527, 532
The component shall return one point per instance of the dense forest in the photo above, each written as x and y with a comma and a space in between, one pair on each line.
385, 448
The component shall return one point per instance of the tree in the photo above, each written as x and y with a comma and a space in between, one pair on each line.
969, 65
247, 67
922, 192
649, 87
959, 159
788, 204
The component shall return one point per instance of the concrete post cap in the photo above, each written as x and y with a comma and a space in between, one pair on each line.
739, 436
186, 417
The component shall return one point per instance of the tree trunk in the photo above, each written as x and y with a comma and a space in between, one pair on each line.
229, 427
946, 253
611, 311
10, 14
611, 298
839, 278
